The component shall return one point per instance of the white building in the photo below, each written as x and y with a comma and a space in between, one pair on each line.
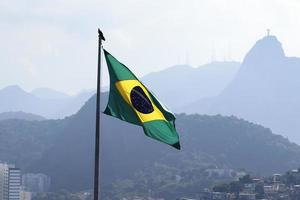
14, 183
10, 182
3, 181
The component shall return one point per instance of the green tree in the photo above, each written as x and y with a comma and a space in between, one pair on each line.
223, 187
246, 179
235, 187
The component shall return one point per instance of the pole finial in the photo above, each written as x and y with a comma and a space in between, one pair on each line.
100, 34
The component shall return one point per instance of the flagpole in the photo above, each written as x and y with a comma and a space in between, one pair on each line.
97, 134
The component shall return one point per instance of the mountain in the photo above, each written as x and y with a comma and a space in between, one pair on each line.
183, 84
44, 102
177, 81
73, 104
23, 142
21, 115
64, 149
13, 98
47, 93
264, 91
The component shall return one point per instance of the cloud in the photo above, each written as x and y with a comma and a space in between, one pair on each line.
58, 39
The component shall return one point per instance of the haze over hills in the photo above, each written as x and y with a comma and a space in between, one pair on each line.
21, 115
47, 93
64, 150
265, 90
170, 85
43, 101
183, 84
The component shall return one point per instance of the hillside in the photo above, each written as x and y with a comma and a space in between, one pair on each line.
264, 91
206, 140
24, 142
64, 150
21, 115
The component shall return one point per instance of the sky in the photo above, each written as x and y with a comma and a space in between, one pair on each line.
54, 43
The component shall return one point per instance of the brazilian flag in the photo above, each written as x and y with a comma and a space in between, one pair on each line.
130, 100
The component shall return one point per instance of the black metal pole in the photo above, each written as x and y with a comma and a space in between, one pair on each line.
97, 135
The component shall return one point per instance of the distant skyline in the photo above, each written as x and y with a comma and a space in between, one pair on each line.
54, 43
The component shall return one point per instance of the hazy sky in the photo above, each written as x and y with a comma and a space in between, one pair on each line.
54, 43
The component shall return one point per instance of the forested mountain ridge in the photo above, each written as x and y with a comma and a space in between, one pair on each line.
64, 149
21, 115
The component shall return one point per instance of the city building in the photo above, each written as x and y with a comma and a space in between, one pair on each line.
247, 196
3, 181
24, 195
10, 182
14, 183
36, 183
219, 196
249, 188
